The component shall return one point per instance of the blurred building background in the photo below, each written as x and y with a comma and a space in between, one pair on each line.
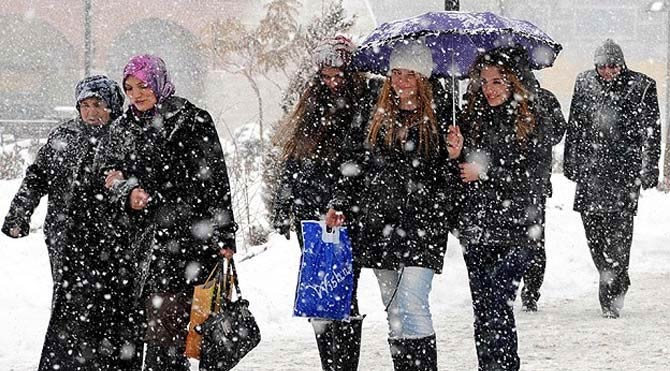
43, 53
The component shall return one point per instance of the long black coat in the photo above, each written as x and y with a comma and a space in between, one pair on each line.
503, 208
175, 156
548, 111
613, 141
400, 202
88, 250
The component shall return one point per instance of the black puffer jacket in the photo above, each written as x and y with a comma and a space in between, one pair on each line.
399, 200
175, 156
502, 208
613, 141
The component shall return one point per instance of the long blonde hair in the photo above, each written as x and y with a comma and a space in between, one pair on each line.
525, 119
385, 117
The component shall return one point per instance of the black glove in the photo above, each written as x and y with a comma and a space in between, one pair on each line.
649, 179
11, 223
283, 228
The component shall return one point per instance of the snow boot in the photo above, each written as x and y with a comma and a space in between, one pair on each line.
339, 343
414, 354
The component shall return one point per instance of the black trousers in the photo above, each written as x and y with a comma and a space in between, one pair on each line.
609, 237
534, 276
493, 273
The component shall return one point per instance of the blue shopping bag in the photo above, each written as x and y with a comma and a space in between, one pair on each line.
326, 279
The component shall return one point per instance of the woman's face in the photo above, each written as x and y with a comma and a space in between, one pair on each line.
404, 83
332, 77
94, 111
140, 94
495, 88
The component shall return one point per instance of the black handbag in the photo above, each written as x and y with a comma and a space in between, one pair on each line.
231, 332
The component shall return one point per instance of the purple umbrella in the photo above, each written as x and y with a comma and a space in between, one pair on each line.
456, 39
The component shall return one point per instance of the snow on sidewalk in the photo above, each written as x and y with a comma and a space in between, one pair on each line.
566, 334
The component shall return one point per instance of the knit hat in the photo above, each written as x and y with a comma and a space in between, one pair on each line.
152, 71
335, 52
103, 88
412, 55
609, 53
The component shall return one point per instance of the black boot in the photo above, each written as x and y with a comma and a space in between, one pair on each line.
414, 354
339, 344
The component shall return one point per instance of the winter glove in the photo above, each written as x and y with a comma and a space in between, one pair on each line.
283, 227
15, 224
649, 179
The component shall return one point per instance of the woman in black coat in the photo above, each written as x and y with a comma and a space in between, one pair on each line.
165, 166
502, 168
312, 142
88, 253
398, 202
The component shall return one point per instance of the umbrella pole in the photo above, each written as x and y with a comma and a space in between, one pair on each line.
453, 92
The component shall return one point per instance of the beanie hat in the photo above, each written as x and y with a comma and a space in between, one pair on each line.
412, 55
335, 52
103, 88
152, 71
609, 53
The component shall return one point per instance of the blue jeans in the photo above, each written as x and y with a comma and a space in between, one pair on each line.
405, 294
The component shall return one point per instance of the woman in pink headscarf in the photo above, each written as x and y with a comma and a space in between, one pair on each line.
165, 166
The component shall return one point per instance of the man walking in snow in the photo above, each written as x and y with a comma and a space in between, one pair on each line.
612, 148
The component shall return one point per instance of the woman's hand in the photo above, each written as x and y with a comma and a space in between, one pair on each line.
470, 171
138, 199
334, 218
454, 141
226, 252
113, 177
15, 232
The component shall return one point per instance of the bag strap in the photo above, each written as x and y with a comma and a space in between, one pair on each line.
225, 281
211, 274
232, 278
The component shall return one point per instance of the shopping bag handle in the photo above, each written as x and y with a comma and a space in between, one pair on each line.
329, 234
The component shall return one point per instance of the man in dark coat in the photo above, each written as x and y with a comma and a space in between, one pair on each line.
89, 271
612, 148
549, 113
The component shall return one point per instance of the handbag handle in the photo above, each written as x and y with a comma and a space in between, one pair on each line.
225, 282
232, 278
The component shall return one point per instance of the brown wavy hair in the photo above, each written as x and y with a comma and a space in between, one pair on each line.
525, 119
385, 118
306, 127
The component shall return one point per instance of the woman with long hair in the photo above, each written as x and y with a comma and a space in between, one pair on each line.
397, 202
311, 141
501, 166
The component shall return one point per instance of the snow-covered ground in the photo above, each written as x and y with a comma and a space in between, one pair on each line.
567, 333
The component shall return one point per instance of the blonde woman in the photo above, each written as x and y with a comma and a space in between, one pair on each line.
397, 202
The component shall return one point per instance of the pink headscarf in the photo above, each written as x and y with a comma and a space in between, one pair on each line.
150, 70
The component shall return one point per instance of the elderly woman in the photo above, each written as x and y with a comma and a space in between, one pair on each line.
86, 293
165, 166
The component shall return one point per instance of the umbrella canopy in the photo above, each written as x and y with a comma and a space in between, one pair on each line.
456, 39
